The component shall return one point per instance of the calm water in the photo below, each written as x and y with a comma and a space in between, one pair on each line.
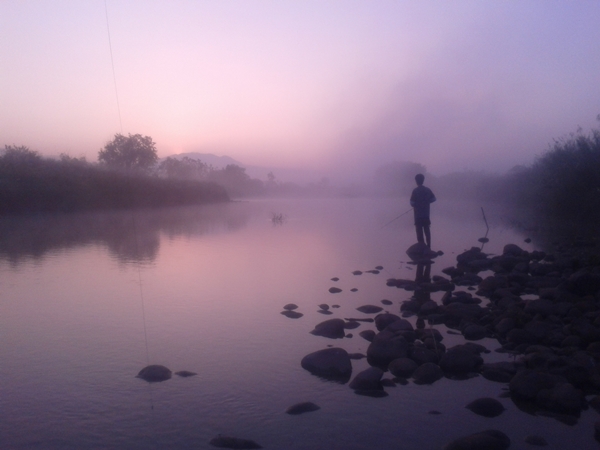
88, 300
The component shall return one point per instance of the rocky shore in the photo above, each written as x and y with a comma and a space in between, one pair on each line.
542, 308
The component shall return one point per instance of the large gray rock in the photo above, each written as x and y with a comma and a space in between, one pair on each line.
330, 363
485, 440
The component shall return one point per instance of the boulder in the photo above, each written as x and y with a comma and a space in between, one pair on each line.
385, 347
368, 380
460, 360
332, 329
402, 367
369, 309
330, 363
526, 384
368, 335
474, 332
383, 320
232, 442
300, 408
154, 373
485, 440
486, 407
427, 373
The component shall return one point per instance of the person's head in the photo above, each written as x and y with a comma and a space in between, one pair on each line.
419, 178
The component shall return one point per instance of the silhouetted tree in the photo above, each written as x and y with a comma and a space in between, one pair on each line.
131, 152
186, 168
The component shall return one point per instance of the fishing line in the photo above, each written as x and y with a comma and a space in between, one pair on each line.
113, 66
133, 218
396, 218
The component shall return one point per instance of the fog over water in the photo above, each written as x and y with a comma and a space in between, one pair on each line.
331, 88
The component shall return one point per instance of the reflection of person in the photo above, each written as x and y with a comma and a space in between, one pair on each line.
420, 200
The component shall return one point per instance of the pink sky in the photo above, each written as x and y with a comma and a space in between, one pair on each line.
312, 84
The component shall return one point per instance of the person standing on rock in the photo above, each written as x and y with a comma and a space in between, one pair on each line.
420, 200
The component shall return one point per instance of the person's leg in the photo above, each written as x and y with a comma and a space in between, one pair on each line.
419, 228
427, 235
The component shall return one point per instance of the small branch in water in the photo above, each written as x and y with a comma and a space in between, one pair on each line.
277, 218
484, 239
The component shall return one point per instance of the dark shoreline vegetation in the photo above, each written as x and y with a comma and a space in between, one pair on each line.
561, 186
32, 184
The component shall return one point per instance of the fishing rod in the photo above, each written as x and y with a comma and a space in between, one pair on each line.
396, 218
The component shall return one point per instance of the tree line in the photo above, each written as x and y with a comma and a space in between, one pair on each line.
122, 178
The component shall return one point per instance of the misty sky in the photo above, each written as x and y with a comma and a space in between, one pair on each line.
313, 83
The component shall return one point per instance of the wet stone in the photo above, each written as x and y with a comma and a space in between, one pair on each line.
486, 407
335, 290
386, 302
335, 279
536, 440
292, 314
231, 442
332, 329
357, 272
353, 290
324, 306
300, 408
488, 439
369, 309
330, 363
290, 307
351, 325
185, 373
368, 335
154, 373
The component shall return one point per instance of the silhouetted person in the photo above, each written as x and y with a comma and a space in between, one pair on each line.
420, 200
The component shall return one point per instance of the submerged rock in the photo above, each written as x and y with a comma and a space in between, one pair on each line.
427, 373
335, 290
330, 363
486, 407
292, 314
369, 309
185, 373
232, 442
385, 347
290, 307
303, 407
485, 440
368, 380
154, 373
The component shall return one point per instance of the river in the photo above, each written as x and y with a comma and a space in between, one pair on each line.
87, 300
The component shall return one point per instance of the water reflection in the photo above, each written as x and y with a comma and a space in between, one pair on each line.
130, 236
